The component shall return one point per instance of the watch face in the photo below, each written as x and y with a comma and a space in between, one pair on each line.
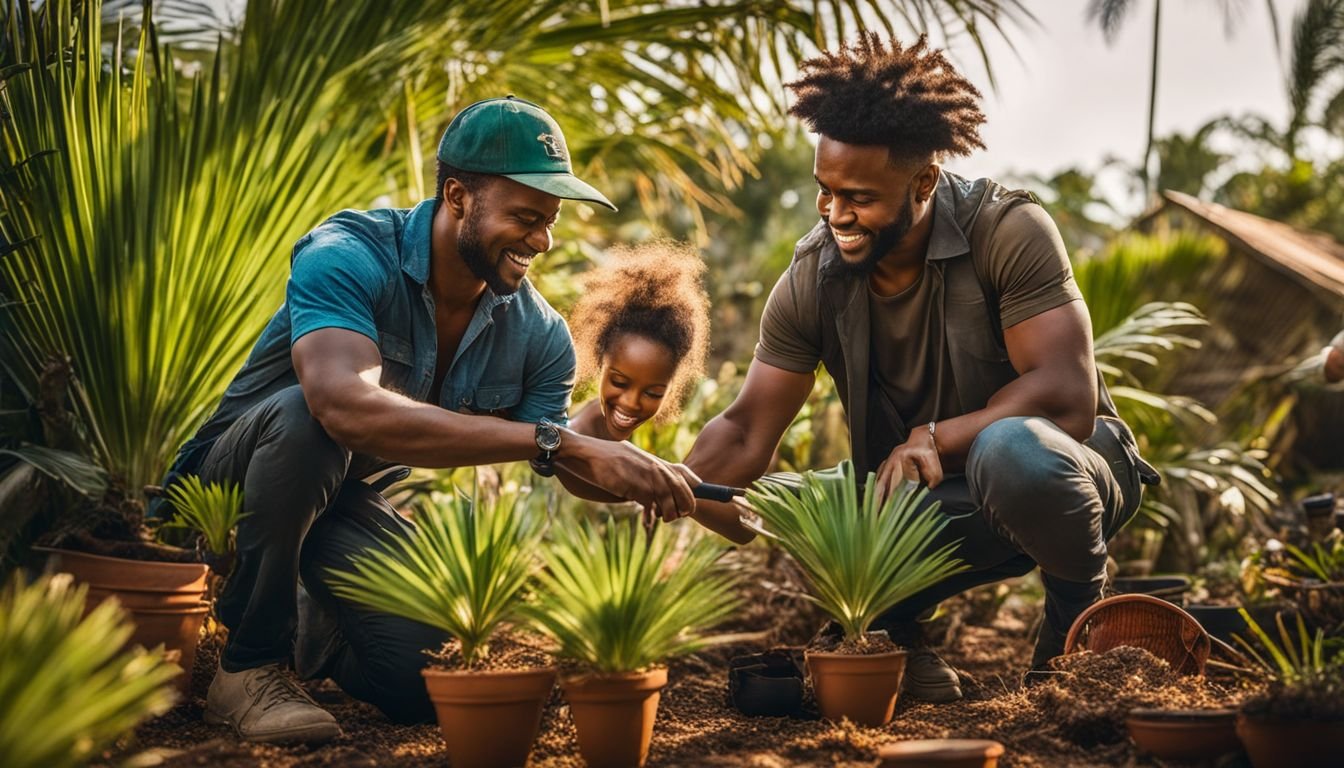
548, 436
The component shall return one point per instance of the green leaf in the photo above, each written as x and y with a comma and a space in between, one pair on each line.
465, 570
65, 467
860, 558
67, 688
212, 510
619, 601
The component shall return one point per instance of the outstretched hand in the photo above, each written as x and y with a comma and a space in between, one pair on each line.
915, 460
662, 489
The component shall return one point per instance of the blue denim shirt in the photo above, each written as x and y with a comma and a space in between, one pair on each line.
366, 271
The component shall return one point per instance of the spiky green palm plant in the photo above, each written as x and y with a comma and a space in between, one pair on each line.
212, 510
67, 689
610, 601
1300, 660
860, 557
464, 570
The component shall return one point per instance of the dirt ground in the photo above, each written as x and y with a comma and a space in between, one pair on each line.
1075, 719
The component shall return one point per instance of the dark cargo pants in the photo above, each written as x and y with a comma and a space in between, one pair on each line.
309, 511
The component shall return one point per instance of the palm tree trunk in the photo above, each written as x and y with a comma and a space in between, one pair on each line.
1148, 190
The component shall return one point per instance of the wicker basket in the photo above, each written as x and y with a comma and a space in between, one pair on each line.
1155, 625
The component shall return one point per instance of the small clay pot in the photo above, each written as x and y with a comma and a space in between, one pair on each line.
489, 719
941, 753
614, 715
1291, 743
861, 687
1169, 588
163, 600
1184, 734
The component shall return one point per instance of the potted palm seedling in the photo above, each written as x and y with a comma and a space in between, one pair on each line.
616, 612
68, 687
210, 510
860, 557
1298, 720
465, 571
167, 602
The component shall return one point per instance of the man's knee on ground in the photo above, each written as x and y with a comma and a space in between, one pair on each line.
397, 688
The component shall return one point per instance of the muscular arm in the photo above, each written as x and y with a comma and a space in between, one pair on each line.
1052, 353
339, 371
735, 447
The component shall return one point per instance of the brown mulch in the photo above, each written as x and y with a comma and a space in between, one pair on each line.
1075, 718
509, 650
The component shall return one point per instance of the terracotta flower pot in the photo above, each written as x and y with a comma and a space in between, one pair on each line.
1184, 734
862, 688
1291, 743
164, 600
614, 714
489, 719
941, 753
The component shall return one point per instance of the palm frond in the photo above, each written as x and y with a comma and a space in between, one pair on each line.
212, 510
1317, 43
464, 570
69, 468
860, 558
67, 689
609, 601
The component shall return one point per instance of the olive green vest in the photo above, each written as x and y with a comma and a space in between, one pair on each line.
965, 214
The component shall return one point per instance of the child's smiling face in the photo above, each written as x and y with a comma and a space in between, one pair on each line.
635, 374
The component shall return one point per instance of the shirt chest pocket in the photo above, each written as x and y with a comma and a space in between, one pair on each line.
496, 400
398, 361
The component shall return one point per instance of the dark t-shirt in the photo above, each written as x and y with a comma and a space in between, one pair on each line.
1025, 262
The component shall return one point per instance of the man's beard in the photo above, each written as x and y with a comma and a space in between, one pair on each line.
473, 254
885, 240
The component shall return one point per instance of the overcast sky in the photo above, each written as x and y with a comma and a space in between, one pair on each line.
1067, 98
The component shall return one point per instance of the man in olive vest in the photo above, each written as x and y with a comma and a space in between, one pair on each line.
946, 311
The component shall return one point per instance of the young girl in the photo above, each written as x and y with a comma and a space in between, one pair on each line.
641, 326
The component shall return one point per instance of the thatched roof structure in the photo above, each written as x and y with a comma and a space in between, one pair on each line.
1276, 297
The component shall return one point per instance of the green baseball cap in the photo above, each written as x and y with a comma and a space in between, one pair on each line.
515, 139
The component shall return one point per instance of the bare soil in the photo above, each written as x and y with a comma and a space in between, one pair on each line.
1074, 718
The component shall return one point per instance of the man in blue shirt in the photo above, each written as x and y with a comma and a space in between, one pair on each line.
406, 337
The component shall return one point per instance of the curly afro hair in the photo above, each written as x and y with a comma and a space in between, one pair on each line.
651, 290
908, 99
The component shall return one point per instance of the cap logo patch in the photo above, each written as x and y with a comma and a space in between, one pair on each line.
552, 144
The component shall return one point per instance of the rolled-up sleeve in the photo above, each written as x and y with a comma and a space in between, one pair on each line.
550, 377
335, 281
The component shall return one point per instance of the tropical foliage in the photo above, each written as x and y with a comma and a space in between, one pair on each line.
67, 689
148, 195
617, 599
861, 557
1213, 489
1300, 658
212, 510
465, 570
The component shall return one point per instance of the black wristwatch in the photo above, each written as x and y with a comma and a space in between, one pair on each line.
548, 442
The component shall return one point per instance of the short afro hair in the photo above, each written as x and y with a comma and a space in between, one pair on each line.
910, 100
652, 290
